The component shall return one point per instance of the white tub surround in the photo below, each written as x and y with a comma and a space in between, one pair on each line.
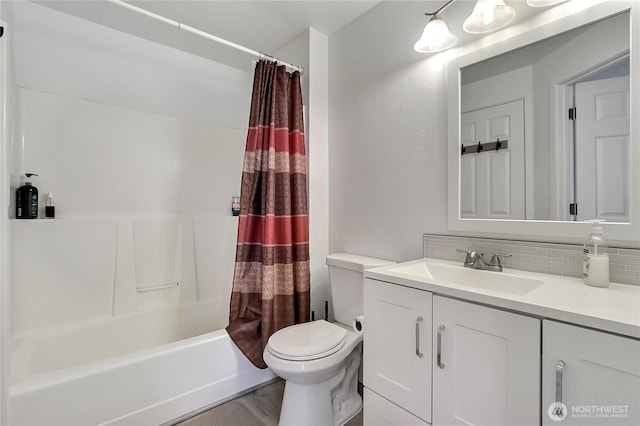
48, 350
90, 269
139, 369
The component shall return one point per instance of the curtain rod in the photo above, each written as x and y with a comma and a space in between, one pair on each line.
206, 35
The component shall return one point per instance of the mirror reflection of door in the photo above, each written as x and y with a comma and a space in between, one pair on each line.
602, 149
544, 75
492, 182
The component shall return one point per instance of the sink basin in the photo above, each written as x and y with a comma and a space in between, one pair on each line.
474, 278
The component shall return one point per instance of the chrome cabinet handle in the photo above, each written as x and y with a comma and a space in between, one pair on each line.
418, 353
558, 410
439, 350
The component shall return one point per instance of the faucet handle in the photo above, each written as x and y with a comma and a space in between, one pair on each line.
468, 252
472, 256
495, 259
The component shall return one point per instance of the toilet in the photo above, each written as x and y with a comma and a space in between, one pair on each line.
320, 360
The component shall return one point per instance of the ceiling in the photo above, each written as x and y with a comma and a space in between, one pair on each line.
261, 25
264, 25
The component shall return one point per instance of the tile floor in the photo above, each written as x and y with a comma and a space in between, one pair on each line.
258, 408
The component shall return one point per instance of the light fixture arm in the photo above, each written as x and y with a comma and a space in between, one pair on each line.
437, 12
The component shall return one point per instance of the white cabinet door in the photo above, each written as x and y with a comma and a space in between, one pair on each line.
381, 412
598, 379
486, 366
397, 345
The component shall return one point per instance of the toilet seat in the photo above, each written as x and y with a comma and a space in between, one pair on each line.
307, 341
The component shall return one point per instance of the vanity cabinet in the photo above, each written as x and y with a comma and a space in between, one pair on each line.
397, 351
595, 375
484, 362
486, 365
435, 358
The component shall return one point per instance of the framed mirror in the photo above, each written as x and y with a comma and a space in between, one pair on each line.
541, 135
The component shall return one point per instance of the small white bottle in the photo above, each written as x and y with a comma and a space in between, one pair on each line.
50, 208
595, 267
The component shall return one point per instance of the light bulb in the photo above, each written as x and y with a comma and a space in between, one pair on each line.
435, 37
487, 16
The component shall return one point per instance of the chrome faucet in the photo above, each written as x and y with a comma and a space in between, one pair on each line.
476, 260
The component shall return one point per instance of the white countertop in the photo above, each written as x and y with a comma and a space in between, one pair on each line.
615, 309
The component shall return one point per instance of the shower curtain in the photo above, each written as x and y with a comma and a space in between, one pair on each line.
271, 283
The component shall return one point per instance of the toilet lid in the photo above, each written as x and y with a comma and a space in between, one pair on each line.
310, 340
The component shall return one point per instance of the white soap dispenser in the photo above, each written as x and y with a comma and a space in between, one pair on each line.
595, 267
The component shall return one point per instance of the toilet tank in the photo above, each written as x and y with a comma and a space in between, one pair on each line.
347, 283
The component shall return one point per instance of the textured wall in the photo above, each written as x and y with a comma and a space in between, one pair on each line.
388, 129
387, 135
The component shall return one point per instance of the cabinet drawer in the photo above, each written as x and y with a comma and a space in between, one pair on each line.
380, 412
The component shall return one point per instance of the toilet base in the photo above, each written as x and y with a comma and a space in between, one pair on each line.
348, 410
330, 403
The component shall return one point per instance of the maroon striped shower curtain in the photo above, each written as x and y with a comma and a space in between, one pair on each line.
271, 281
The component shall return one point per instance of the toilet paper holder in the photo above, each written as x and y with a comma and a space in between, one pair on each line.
358, 324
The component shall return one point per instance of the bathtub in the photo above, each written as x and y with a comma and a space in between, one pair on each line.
146, 368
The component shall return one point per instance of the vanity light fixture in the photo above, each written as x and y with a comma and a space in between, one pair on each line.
487, 16
436, 36
543, 3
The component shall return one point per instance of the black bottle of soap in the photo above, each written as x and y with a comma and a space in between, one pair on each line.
27, 200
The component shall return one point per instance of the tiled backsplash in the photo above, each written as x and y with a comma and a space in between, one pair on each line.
547, 258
